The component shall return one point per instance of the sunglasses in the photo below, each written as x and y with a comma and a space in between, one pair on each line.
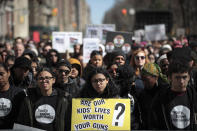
98, 80
140, 57
65, 71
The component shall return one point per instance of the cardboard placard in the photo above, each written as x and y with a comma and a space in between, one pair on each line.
63, 41
100, 114
89, 44
99, 31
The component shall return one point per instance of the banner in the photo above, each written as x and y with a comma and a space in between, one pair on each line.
99, 31
100, 114
63, 41
118, 40
155, 32
89, 44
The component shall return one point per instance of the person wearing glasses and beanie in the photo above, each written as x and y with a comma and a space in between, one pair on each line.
19, 73
63, 80
45, 107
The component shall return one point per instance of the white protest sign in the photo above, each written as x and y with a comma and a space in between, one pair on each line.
180, 31
155, 32
89, 44
138, 35
63, 41
73, 38
59, 41
99, 31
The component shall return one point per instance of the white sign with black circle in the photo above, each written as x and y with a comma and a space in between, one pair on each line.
5, 107
45, 114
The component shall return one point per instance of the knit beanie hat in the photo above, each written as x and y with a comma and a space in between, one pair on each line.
151, 69
118, 53
22, 62
76, 63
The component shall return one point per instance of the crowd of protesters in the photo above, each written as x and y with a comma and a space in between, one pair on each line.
159, 78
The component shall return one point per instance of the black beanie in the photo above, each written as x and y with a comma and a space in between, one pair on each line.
22, 62
118, 53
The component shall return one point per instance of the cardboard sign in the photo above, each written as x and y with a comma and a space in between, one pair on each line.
63, 41
155, 32
117, 40
89, 44
20, 127
99, 31
100, 114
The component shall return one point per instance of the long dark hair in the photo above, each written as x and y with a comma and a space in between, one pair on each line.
110, 91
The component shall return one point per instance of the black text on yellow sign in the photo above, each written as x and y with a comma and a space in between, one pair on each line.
100, 114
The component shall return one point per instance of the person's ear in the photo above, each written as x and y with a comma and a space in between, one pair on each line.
53, 80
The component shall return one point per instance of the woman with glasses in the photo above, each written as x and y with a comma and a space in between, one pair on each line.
44, 107
138, 60
99, 85
63, 80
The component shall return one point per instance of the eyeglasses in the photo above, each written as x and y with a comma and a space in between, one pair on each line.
45, 78
98, 80
53, 55
65, 71
140, 57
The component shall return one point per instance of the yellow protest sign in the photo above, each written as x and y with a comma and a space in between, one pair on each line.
100, 114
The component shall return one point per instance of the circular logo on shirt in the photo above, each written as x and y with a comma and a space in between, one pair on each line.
45, 114
180, 116
5, 107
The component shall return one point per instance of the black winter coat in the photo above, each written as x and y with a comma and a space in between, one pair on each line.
159, 119
70, 88
50, 113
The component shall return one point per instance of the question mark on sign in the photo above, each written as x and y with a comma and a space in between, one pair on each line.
120, 113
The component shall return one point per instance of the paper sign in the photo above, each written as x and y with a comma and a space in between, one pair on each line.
89, 44
63, 41
100, 114
99, 31
139, 35
155, 32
